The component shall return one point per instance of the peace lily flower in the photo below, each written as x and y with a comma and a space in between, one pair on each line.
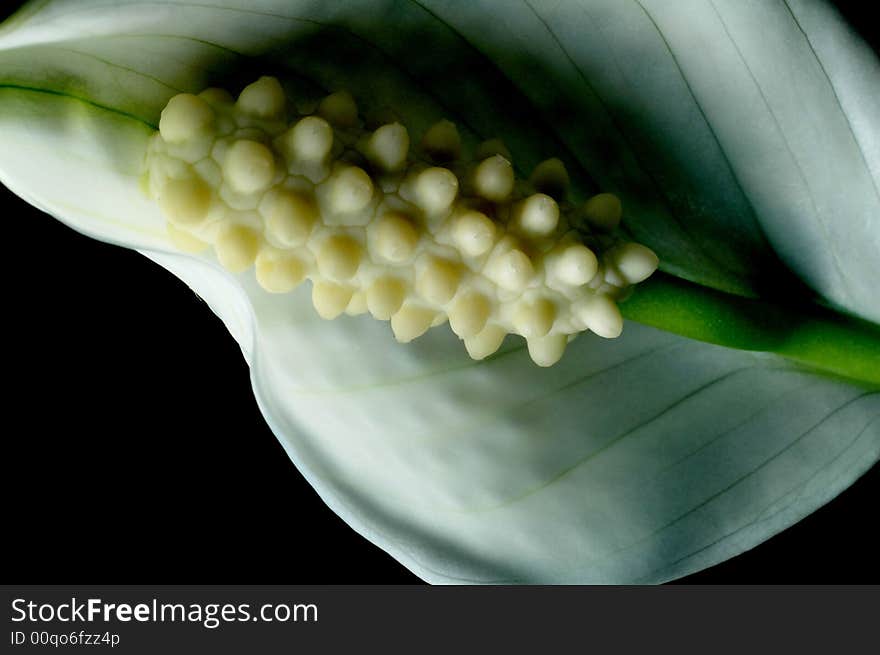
743, 141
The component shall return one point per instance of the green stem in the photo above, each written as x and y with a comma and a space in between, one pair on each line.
813, 336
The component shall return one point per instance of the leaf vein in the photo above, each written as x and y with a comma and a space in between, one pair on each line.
741, 479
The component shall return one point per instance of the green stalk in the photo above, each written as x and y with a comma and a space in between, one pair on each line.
810, 335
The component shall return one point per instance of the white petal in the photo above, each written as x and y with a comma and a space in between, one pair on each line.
633, 460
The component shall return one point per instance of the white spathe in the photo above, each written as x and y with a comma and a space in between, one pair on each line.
634, 460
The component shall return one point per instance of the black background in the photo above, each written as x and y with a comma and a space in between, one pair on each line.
133, 450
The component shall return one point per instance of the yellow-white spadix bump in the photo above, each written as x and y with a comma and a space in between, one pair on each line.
377, 229
340, 109
351, 190
438, 280
184, 241
277, 271
187, 201
634, 261
550, 177
469, 313
411, 321
493, 178
396, 237
600, 314
388, 146
511, 270
309, 140
185, 117
436, 189
603, 211
330, 299
486, 342
263, 98
290, 217
546, 351
248, 166
358, 303
216, 97
236, 247
574, 264
385, 296
339, 257
537, 215
442, 142
534, 318
474, 233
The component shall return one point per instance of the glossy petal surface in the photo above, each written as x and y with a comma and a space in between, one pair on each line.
748, 166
